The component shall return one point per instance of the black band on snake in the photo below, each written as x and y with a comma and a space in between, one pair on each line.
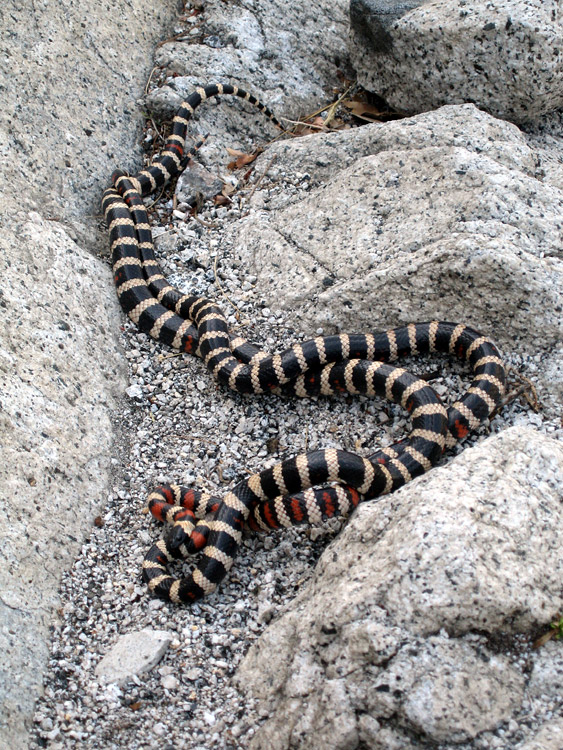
310, 486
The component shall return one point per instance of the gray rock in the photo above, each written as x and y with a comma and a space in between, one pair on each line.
444, 215
372, 21
323, 156
66, 122
472, 546
549, 737
61, 372
70, 115
289, 53
503, 56
133, 654
446, 690
546, 680
197, 183
134, 391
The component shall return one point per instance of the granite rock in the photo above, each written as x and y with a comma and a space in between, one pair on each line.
290, 54
446, 215
549, 737
69, 76
389, 621
133, 654
505, 57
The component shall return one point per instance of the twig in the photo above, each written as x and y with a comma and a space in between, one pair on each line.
149, 80
207, 224
176, 38
158, 197
305, 124
156, 130
524, 389
331, 111
259, 180
333, 107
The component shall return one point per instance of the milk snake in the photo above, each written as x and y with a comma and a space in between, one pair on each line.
310, 486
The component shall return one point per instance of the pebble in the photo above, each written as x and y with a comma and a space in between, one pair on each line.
169, 682
193, 674
134, 391
133, 654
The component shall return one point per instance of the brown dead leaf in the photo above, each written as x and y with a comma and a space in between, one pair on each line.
241, 161
233, 151
363, 110
318, 122
222, 200
228, 189
542, 640
273, 444
315, 125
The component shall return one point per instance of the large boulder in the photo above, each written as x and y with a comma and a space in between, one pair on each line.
293, 55
69, 75
505, 57
383, 638
61, 373
445, 215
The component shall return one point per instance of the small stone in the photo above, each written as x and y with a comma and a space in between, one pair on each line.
547, 675
133, 654
193, 674
134, 391
169, 682
46, 725
197, 181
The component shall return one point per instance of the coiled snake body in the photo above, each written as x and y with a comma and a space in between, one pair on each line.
310, 486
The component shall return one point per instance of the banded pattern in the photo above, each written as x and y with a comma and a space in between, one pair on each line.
307, 487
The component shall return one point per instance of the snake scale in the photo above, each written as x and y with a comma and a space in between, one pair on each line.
309, 486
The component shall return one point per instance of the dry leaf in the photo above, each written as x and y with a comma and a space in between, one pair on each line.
241, 161
363, 110
222, 200
542, 640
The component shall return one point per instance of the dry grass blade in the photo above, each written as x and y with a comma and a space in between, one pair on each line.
147, 86
312, 121
555, 632
303, 124
259, 180
525, 388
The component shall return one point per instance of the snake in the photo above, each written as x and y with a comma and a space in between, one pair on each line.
309, 486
